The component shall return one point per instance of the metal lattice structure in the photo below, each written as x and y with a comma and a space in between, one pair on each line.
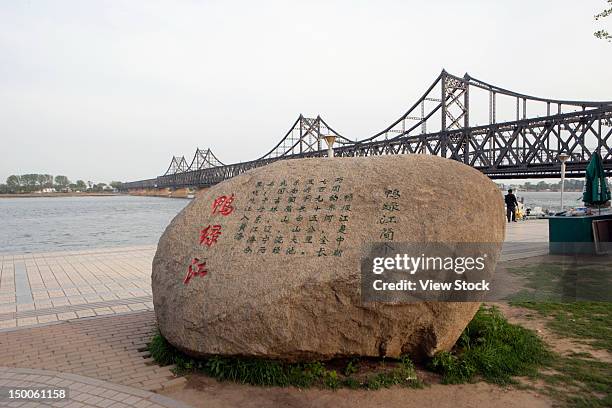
204, 159
177, 165
304, 137
521, 137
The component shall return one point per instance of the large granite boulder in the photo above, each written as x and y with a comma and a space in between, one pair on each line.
267, 264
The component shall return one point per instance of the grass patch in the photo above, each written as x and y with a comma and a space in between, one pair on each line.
589, 321
264, 372
402, 373
554, 287
550, 283
578, 379
579, 382
492, 349
582, 279
495, 350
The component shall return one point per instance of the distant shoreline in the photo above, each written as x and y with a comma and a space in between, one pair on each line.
51, 195
542, 191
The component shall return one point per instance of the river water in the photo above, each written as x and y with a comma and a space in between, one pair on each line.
42, 224
550, 200
71, 223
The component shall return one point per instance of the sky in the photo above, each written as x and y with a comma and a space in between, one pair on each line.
111, 90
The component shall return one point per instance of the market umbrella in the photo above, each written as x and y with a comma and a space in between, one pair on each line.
596, 190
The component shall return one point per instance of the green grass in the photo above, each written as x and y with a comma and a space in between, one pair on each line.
576, 379
579, 382
589, 321
550, 283
403, 373
264, 372
582, 279
496, 351
492, 349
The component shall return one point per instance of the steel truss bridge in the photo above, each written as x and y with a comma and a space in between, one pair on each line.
521, 138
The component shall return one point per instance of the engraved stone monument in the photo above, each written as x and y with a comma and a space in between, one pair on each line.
267, 264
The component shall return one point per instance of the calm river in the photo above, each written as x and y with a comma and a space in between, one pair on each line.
68, 223
550, 200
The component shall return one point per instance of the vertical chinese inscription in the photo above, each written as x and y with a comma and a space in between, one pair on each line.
388, 214
209, 236
289, 217
196, 268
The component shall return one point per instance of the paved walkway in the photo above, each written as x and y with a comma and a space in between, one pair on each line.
49, 287
81, 391
109, 348
525, 239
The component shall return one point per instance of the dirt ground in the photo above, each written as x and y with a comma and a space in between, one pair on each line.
562, 345
202, 391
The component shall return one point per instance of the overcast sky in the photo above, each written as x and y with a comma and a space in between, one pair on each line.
110, 90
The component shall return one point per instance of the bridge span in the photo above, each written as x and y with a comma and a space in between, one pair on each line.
522, 136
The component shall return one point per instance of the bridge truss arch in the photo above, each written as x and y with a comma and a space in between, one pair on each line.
504, 134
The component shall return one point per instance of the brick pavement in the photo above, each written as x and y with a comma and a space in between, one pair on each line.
82, 392
109, 348
46, 287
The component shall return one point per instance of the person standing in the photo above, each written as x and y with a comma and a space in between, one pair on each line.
511, 204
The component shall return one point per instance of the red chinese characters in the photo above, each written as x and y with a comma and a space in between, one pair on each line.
223, 205
196, 268
210, 235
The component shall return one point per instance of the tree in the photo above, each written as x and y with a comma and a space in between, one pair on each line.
603, 34
99, 187
29, 181
13, 183
80, 185
542, 185
62, 181
116, 184
41, 179
44, 180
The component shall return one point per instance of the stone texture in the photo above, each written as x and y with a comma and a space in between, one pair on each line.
298, 306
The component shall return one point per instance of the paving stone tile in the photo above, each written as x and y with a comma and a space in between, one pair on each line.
66, 316
103, 348
28, 321
103, 311
47, 318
